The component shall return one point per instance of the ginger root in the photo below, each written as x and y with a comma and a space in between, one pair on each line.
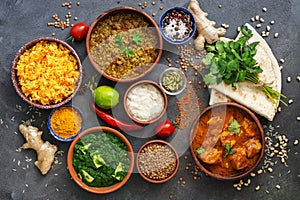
205, 27
45, 151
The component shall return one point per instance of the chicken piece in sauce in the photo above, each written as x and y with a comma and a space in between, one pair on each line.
228, 137
253, 147
238, 159
211, 156
249, 127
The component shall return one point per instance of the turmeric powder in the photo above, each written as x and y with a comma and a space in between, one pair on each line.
66, 122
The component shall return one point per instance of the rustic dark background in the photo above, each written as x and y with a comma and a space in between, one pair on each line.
22, 21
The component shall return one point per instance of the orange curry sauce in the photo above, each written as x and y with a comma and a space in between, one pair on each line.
212, 135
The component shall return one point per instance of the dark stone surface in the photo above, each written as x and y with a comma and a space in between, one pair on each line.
22, 21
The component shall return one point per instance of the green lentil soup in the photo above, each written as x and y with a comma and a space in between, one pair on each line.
100, 159
124, 45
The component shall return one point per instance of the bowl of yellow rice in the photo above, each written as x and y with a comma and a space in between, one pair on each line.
46, 72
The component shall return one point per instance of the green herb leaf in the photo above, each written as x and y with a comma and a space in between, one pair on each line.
234, 62
234, 126
129, 52
137, 39
228, 150
200, 150
119, 42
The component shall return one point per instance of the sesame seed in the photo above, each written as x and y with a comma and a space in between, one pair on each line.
289, 79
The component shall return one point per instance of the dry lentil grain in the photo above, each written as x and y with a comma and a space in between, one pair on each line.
276, 35
157, 161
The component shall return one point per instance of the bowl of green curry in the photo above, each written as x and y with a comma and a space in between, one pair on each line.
100, 160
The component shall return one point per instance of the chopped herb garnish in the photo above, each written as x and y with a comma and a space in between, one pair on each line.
200, 150
119, 42
137, 39
234, 126
228, 150
234, 62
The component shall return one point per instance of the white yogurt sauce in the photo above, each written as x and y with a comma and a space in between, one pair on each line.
145, 102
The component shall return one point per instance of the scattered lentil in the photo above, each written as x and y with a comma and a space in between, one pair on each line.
252, 19
296, 142
290, 101
278, 187
289, 79
276, 35
272, 22
282, 60
264, 9
298, 118
257, 17
258, 25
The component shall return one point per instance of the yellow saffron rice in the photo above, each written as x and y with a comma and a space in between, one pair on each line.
47, 73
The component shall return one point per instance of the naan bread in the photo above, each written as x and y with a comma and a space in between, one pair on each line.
249, 94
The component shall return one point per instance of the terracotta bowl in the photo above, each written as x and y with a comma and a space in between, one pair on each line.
138, 119
105, 15
17, 86
163, 143
202, 129
100, 190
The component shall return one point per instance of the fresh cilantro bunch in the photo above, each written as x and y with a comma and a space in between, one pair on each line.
234, 62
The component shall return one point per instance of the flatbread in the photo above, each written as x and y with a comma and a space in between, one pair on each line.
249, 94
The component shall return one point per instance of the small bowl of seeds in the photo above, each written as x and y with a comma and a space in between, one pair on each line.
177, 25
157, 161
173, 81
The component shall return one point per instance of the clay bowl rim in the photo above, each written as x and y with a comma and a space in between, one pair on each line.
53, 133
193, 25
114, 11
100, 190
260, 128
14, 77
176, 155
162, 92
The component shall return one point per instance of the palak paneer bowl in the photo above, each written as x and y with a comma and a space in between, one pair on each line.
227, 141
124, 44
100, 160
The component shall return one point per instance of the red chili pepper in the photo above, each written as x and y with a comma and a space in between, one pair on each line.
114, 122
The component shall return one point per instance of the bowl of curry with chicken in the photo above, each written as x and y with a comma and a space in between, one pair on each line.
227, 141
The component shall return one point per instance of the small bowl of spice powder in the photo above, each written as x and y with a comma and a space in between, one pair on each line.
157, 161
173, 81
65, 123
177, 25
